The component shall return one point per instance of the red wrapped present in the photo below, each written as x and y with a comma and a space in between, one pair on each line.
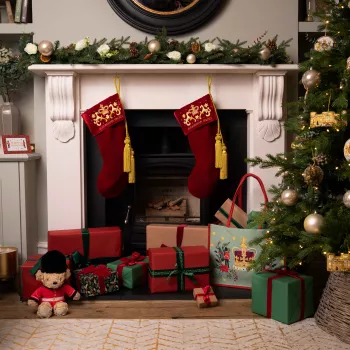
178, 269
91, 243
28, 281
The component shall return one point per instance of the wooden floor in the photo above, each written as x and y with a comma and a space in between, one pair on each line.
12, 308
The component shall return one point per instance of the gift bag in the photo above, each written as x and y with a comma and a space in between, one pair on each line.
230, 251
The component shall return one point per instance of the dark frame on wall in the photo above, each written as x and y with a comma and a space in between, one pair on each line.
175, 22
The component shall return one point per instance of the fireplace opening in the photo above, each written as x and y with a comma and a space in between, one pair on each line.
164, 162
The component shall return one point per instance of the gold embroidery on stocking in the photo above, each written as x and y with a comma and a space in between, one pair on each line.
105, 113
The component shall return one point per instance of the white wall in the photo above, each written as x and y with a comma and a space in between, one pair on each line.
71, 20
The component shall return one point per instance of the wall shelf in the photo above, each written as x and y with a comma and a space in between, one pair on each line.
309, 27
16, 28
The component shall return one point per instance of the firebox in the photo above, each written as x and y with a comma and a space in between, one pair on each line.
163, 164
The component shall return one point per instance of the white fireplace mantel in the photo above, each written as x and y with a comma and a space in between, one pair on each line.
259, 90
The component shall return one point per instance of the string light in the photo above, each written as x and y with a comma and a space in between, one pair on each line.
330, 65
327, 130
301, 246
337, 130
325, 253
300, 263
336, 168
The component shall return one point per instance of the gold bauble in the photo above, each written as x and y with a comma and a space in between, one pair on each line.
195, 47
311, 79
154, 46
313, 223
46, 48
289, 197
265, 53
346, 199
191, 58
313, 175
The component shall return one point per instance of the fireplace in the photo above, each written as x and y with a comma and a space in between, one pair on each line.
258, 91
163, 163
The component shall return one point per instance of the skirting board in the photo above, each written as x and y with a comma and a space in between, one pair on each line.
42, 247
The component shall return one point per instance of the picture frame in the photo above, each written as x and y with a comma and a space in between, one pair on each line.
16, 144
149, 15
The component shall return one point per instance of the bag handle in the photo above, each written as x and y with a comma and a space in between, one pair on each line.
238, 194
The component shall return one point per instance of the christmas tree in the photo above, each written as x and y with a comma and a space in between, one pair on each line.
309, 210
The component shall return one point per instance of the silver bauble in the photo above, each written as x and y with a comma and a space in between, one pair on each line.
191, 58
289, 197
346, 199
311, 79
265, 53
154, 46
347, 150
313, 223
46, 48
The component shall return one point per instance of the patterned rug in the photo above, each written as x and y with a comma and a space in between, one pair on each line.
164, 334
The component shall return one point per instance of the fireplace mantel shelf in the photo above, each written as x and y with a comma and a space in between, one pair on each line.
43, 69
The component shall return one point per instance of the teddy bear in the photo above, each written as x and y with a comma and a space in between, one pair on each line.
50, 298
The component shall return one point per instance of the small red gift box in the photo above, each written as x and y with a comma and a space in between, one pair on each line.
28, 281
92, 243
178, 269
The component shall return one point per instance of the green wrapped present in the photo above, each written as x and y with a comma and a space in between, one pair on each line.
96, 280
284, 296
131, 271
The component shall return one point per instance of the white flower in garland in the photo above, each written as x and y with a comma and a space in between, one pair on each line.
103, 50
208, 47
31, 49
82, 44
174, 55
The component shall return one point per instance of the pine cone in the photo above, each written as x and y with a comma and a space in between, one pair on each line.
134, 52
271, 44
195, 47
133, 45
173, 43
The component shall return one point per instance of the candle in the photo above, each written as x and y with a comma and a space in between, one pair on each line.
309, 5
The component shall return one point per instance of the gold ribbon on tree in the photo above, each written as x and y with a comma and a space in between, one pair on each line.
220, 147
129, 159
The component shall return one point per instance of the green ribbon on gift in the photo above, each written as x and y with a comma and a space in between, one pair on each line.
233, 221
180, 271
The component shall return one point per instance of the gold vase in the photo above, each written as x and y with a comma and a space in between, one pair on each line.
8, 263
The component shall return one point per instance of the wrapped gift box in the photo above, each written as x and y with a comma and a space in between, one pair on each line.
131, 271
96, 280
176, 236
178, 269
28, 281
239, 216
284, 298
205, 297
94, 242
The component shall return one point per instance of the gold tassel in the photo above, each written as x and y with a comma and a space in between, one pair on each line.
218, 151
132, 169
223, 170
127, 155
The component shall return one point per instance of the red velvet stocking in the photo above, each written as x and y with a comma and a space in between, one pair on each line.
204, 175
106, 121
199, 122
112, 178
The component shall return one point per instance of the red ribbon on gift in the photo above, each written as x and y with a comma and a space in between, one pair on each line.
101, 271
281, 274
179, 236
135, 259
206, 295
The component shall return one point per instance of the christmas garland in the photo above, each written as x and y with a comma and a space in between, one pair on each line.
161, 50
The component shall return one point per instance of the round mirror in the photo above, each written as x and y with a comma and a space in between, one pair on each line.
176, 16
